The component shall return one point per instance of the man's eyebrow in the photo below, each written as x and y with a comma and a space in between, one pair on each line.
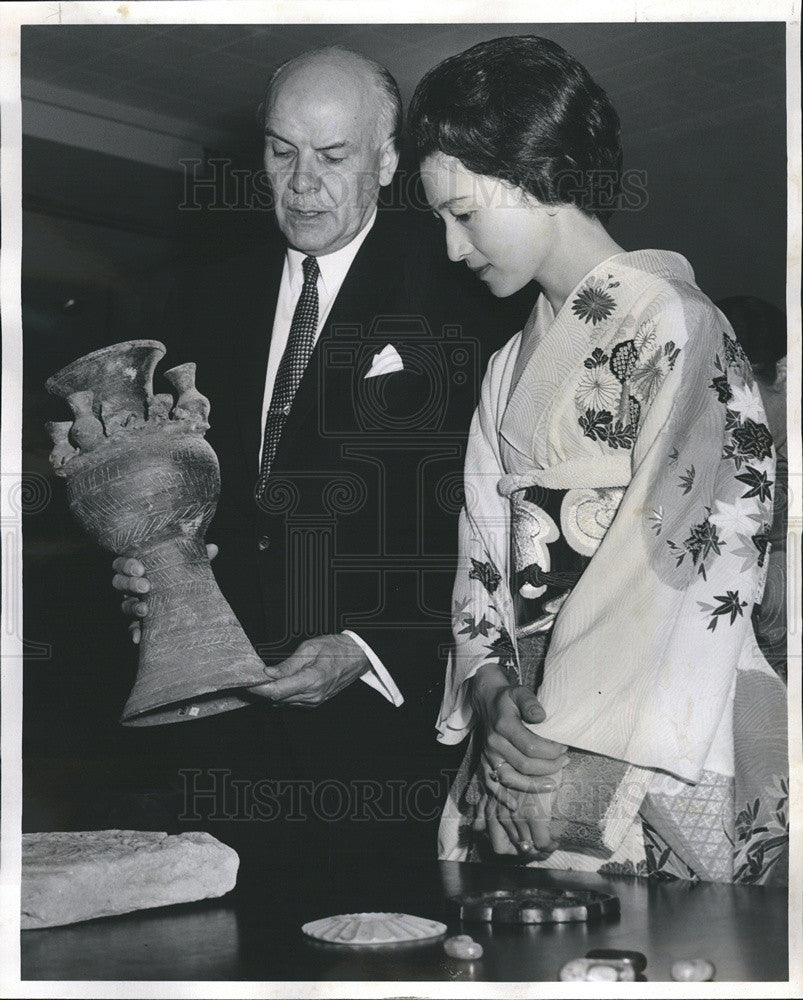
340, 144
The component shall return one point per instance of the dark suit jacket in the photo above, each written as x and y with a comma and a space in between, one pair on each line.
358, 527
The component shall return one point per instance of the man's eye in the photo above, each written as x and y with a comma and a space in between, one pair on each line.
328, 158
280, 154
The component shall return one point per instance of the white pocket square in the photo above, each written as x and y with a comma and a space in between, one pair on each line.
386, 361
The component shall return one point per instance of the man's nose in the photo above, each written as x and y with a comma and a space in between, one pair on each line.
458, 246
305, 176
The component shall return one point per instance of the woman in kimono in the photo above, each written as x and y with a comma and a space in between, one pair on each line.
618, 499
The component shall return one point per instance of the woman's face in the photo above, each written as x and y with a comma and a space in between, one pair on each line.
504, 235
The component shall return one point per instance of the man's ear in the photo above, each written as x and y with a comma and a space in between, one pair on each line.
388, 161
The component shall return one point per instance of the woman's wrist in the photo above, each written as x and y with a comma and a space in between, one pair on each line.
485, 684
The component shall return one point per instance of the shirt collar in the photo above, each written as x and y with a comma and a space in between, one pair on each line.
333, 266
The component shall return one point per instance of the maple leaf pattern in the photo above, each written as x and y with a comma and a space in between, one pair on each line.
474, 628
729, 605
502, 650
687, 480
722, 388
703, 540
486, 573
759, 485
753, 440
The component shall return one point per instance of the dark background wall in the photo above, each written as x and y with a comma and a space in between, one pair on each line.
108, 114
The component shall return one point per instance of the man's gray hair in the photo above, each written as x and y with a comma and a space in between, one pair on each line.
389, 123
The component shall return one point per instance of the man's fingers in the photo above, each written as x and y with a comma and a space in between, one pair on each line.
289, 686
136, 632
128, 566
500, 748
134, 607
211, 550
130, 584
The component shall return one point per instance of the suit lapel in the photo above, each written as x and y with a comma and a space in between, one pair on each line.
369, 290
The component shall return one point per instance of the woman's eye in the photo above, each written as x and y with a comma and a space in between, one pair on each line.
463, 216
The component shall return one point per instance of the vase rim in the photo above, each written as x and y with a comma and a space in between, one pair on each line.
157, 346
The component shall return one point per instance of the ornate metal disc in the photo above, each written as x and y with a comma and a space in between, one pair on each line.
537, 906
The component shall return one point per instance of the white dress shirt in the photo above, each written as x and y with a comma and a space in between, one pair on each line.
333, 269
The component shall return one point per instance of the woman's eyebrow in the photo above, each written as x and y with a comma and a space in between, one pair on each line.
451, 201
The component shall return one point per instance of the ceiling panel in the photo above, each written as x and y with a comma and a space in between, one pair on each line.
213, 75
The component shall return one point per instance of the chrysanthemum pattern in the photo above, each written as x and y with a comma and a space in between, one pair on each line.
593, 303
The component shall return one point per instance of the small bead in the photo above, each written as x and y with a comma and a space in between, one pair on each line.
574, 971
462, 947
610, 970
692, 970
602, 973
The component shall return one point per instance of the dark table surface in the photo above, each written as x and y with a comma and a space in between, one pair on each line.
254, 933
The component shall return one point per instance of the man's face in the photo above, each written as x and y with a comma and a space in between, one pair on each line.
323, 155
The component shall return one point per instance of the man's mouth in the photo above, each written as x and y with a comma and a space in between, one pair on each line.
306, 213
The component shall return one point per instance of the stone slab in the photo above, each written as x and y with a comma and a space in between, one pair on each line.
69, 877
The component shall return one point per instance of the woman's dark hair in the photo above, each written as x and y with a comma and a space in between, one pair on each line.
760, 328
522, 109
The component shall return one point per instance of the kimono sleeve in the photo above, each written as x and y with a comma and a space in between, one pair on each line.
482, 608
643, 659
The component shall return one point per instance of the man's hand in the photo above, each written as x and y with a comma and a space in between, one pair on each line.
318, 669
129, 577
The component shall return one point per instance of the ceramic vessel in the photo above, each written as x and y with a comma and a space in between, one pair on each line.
143, 482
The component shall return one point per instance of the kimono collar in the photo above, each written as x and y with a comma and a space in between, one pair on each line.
602, 299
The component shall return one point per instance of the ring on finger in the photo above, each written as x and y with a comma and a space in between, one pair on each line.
493, 774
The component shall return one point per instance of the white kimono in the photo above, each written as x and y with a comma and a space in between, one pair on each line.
638, 402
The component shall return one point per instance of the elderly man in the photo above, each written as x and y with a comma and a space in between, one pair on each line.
339, 407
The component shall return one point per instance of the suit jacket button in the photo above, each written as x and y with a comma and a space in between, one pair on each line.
263, 543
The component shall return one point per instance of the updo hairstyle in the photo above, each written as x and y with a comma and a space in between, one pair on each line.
521, 109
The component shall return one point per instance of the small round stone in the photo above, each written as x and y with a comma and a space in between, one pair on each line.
602, 973
692, 970
462, 947
574, 971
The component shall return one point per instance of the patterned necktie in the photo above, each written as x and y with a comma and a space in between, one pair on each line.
291, 369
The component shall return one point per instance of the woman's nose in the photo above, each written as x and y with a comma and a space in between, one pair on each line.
458, 246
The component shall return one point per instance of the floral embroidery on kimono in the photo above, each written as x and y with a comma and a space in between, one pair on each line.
638, 418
